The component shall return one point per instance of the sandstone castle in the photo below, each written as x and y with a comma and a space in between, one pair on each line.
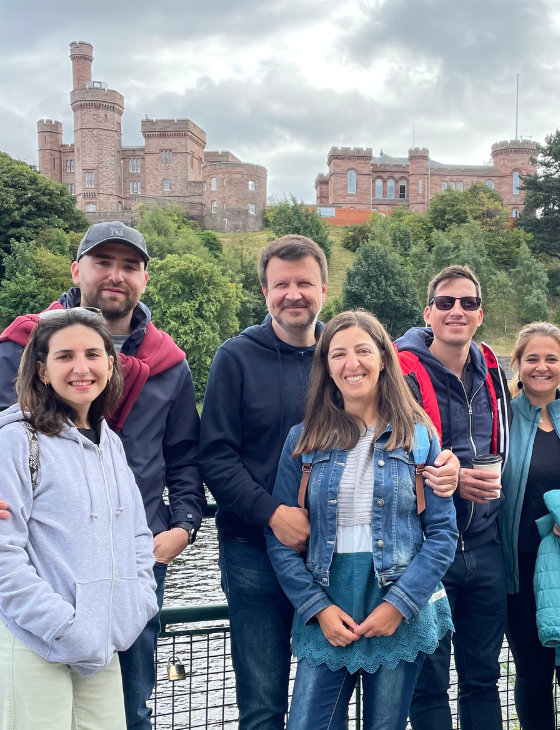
109, 180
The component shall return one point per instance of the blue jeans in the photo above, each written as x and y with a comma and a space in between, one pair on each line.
260, 619
138, 667
476, 587
321, 696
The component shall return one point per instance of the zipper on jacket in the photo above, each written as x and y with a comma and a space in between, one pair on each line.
469, 405
100, 453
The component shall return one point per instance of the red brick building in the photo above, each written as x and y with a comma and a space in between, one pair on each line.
109, 180
358, 180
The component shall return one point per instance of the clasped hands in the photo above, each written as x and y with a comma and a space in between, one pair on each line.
340, 629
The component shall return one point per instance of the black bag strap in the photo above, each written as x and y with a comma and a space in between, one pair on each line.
33, 452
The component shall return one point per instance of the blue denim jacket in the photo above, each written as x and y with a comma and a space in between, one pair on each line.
411, 552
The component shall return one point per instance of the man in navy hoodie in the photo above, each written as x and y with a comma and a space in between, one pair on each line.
466, 395
156, 419
255, 394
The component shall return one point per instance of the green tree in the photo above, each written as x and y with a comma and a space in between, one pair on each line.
289, 216
379, 283
450, 208
196, 304
211, 241
531, 282
241, 267
167, 230
30, 202
500, 304
541, 214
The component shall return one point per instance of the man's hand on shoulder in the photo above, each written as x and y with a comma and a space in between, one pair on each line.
290, 526
169, 544
4, 513
443, 476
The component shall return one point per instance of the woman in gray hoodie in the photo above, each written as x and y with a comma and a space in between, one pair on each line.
76, 555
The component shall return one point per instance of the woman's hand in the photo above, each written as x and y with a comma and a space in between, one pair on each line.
556, 529
443, 476
337, 626
382, 621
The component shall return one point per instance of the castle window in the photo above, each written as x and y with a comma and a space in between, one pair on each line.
490, 184
90, 179
212, 183
214, 206
402, 189
71, 188
54, 163
71, 165
420, 186
351, 181
192, 160
139, 188
90, 207
452, 185
166, 157
130, 164
379, 188
515, 212
167, 184
516, 183
252, 185
131, 184
390, 189
252, 209
224, 181
460, 186
443, 186
199, 165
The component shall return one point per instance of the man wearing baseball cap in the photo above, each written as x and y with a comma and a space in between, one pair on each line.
156, 419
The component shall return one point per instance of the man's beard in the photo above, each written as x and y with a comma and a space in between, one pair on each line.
297, 326
112, 308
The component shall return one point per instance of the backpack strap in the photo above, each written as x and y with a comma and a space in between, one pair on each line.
33, 452
420, 453
306, 473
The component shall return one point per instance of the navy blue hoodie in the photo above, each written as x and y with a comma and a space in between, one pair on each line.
466, 424
160, 434
255, 394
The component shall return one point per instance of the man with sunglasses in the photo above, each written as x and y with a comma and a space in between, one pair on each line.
465, 393
156, 419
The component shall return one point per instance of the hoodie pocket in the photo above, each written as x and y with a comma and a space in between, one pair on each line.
131, 612
86, 640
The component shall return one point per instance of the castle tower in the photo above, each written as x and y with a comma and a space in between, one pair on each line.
511, 160
97, 136
49, 133
81, 54
418, 193
350, 176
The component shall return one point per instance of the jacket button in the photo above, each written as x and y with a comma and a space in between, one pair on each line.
332, 501
380, 543
381, 502
381, 462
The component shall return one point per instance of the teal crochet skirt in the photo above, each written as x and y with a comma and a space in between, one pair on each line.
354, 588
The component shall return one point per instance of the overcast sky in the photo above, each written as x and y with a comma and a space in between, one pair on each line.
278, 82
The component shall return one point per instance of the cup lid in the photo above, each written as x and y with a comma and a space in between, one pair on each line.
487, 459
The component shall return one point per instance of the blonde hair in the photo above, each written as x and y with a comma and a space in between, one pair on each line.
544, 329
327, 425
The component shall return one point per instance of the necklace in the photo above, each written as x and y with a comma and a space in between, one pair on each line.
541, 420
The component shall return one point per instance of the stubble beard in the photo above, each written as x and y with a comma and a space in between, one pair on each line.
297, 328
112, 309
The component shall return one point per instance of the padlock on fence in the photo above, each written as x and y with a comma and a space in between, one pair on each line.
176, 669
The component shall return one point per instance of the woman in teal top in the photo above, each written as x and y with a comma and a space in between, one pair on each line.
367, 594
533, 468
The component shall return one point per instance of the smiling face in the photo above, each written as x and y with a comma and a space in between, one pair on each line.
77, 367
354, 364
111, 278
295, 293
455, 327
539, 368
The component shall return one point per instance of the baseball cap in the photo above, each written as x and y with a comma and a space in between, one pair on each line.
114, 231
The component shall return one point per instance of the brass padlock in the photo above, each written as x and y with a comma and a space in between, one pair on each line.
175, 669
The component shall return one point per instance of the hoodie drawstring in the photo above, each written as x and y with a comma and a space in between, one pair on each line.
120, 509
280, 434
91, 492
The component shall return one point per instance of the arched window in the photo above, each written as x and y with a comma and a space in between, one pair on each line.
515, 213
419, 186
131, 187
214, 206
379, 188
460, 186
390, 188
402, 188
167, 184
516, 183
351, 181
443, 186
490, 184
452, 185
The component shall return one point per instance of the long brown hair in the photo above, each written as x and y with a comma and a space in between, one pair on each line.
327, 425
42, 406
544, 329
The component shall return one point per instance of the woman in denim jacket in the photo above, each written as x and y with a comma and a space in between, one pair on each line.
367, 593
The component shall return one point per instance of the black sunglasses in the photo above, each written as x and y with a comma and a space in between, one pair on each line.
52, 313
446, 304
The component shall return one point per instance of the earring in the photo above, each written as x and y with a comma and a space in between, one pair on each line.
520, 385
46, 383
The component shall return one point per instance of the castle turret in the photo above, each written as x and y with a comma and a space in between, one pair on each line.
511, 159
81, 54
49, 133
350, 176
418, 193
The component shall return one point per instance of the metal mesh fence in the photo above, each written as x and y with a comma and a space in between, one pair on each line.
206, 697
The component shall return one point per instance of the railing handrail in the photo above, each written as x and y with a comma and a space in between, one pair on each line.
193, 614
